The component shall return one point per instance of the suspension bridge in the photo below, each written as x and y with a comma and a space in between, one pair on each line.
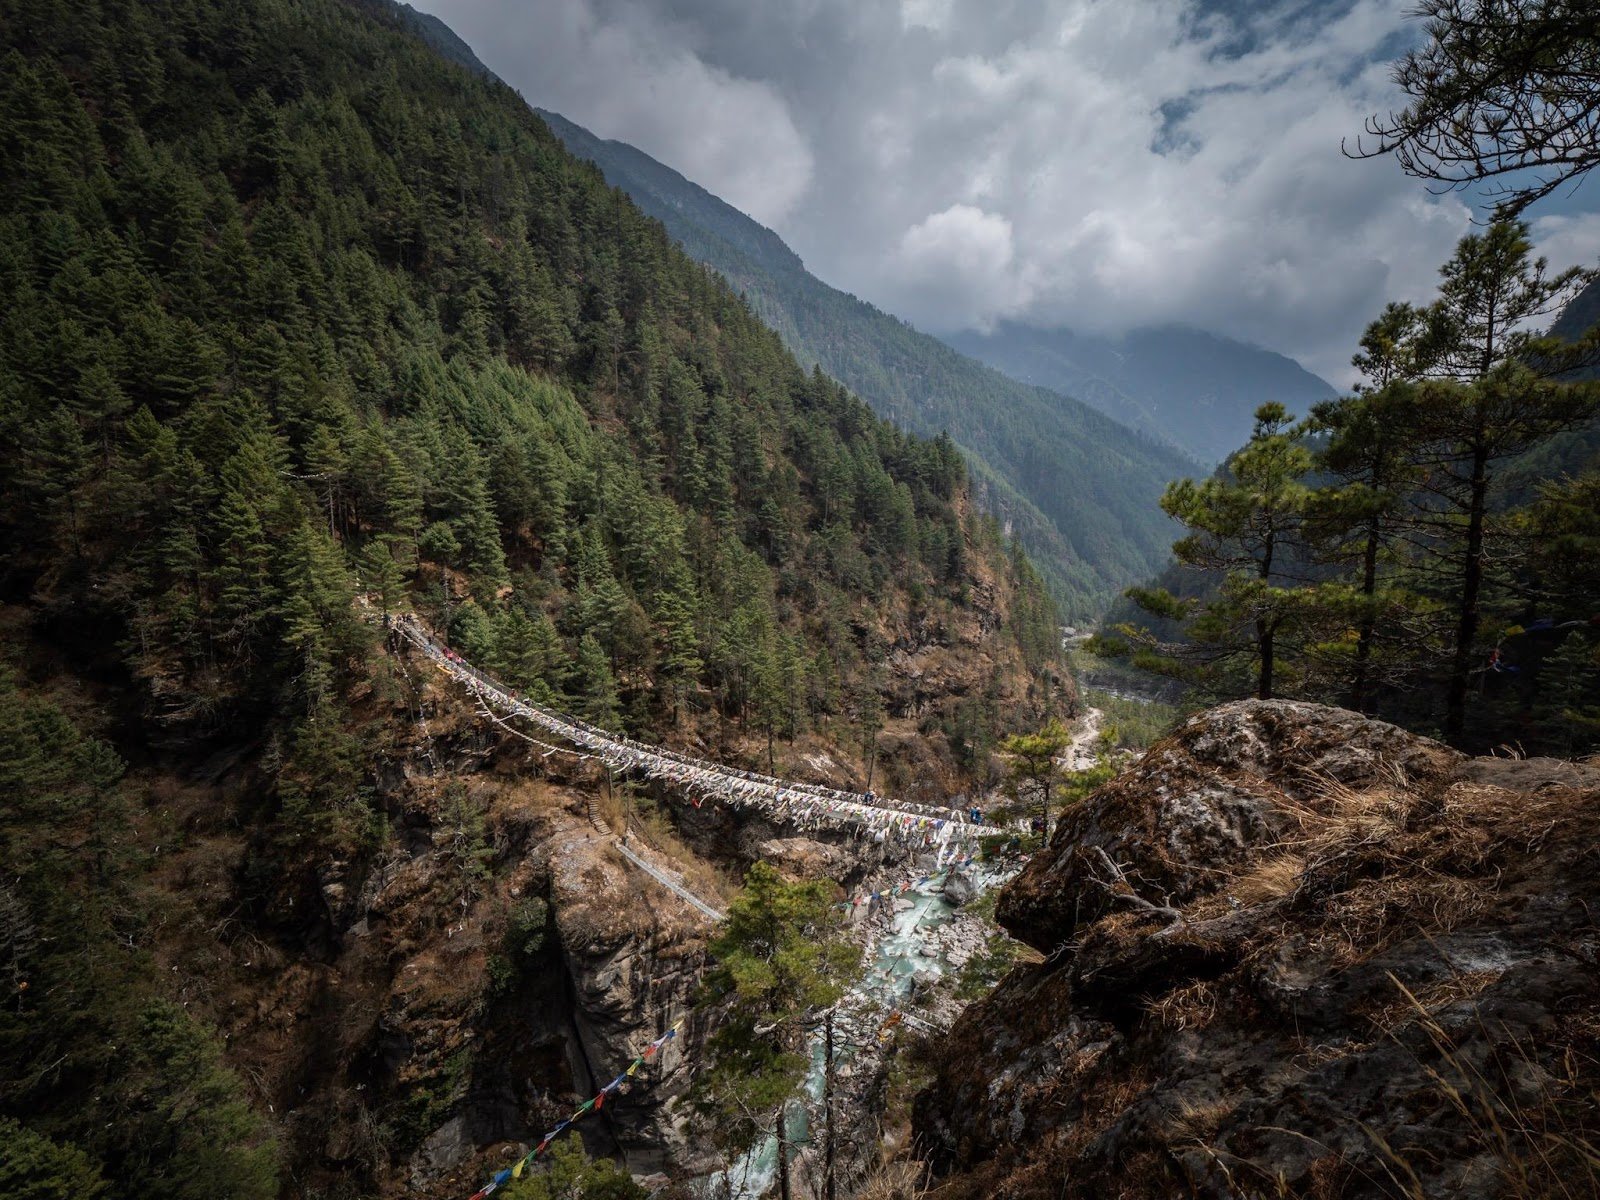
946, 831
805, 805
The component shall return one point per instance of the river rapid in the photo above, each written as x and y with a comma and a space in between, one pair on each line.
905, 962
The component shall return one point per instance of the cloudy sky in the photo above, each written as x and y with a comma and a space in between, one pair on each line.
1099, 164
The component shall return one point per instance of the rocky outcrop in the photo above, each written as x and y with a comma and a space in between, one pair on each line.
1236, 780
1293, 952
427, 1010
634, 954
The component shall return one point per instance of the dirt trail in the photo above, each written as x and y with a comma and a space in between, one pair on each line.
1079, 754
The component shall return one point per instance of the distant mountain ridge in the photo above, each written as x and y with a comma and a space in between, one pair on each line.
1078, 488
1198, 390
1071, 439
1581, 314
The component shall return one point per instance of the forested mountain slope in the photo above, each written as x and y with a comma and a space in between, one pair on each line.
1198, 390
1581, 314
1568, 454
297, 310
1078, 488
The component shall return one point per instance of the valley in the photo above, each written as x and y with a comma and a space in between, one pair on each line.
511, 686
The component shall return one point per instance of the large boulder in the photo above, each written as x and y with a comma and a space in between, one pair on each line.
1233, 780
958, 888
1292, 952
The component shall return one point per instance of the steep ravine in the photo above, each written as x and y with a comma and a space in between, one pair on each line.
410, 1019
1292, 952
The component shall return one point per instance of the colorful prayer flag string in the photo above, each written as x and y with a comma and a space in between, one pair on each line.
810, 805
594, 1104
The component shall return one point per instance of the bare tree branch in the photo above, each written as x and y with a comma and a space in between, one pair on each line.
1500, 90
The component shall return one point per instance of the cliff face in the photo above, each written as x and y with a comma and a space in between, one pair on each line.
410, 1017
1293, 952
407, 1017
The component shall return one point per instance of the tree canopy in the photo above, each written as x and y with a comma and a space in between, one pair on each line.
1385, 539
1501, 91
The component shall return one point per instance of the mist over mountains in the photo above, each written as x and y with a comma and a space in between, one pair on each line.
1075, 486
1196, 389
1024, 405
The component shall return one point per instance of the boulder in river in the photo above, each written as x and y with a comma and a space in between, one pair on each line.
958, 888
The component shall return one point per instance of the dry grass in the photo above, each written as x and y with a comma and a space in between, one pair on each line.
1454, 988
1528, 1123
1197, 1123
608, 806
1103, 1105
1192, 1007
1368, 919
901, 1179
1337, 827
1362, 866
705, 880
1536, 1119
1310, 1055
1344, 817
1273, 879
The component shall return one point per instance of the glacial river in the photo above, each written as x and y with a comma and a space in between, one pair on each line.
897, 964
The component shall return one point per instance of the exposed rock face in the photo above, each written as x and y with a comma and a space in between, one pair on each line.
491, 968
633, 954
1292, 952
1233, 782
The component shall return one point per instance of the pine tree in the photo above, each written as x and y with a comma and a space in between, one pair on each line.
472, 516
593, 685
100, 401
566, 1173
1033, 770
1567, 708
1243, 521
528, 655
382, 575
473, 632
1369, 450
246, 590
33, 1167
1484, 400
780, 961
320, 630
266, 149
868, 705
1560, 541
676, 607
327, 468
56, 467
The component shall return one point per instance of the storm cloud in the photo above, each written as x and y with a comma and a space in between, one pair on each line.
1101, 164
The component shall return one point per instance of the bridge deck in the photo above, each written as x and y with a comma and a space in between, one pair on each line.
808, 805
